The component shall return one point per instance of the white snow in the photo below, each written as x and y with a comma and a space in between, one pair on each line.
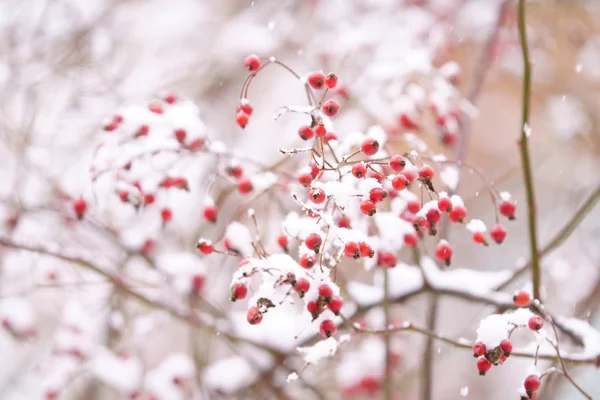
589, 335
322, 349
18, 314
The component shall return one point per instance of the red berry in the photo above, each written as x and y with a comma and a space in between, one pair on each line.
305, 179
367, 207
506, 347
458, 214
210, 213
408, 122
535, 323
343, 222
359, 170
155, 108
302, 286
335, 304
80, 207
234, 171
397, 163
325, 291
320, 130
411, 239
306, 132
479, 237
331, 80
531, 384
376, 195
498, 233
330, 136
445, 204
479, 349
254, 315
242, 119
245, 107
521, 298
197, 284
308, 261
245, 186
239, 292
443, 251
170, 98
317, 195
252, 62
365, 250
312, 307
314, 170
205, 246
143, 130
196, 144
483, 365
282, 241
426, 172
387, 259
433, 216
180, 135
410, 175
316, 80
111, 126
369, 146
352, 250
330, 108
313, 242
400, 182
413, 206
508, 208
328, 328
166, 215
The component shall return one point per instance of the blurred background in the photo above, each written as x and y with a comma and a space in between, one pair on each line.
65, 65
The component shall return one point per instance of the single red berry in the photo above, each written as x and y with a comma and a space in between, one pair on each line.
305, 179
242, 119
408, 122
483, 365
239, 292
535, 323
170, 98
155, 108
433, 216
458, 214
521, 298
506, 347
234, 171
479, 238
426, 172
320, 130
302, 286
443, 251
312, 307
377, 195
79, 207
330, 136
313, 241
531, 384
410, 175
369, 146
205, 246
210, 213
498, 233
330, 108
196, 144
335, 304
254, 315
123, 195
413, 206
479, 349
111, 126
306, 132
331, 80
166, 215
316, 195
449, 138
325, 292
359, 170
245, 186
328, 328
397, 163
282, 241
143, 130
508, 208
352, 250
180, 135
365, 250
444, 204
400, 182
316, 80
308, 261
245, 107
344, 222
387, 259
367, 207
411, 239
197, 284
252, 62
148, 198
